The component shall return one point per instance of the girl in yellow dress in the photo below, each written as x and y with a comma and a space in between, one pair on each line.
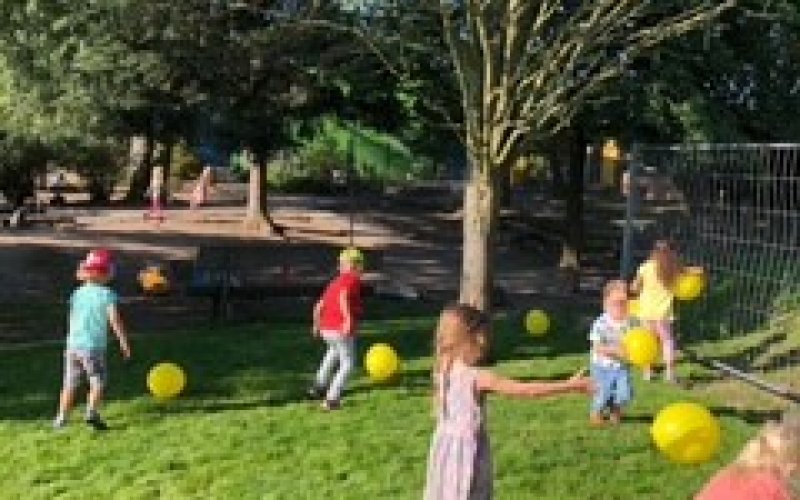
654, 283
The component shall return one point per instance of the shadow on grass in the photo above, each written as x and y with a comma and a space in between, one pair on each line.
256, 365
746, 415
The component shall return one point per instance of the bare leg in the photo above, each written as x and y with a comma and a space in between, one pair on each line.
616, 415
65, 403
664, 330
653, 327
94, 400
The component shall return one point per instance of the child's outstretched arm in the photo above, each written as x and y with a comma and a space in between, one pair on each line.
490, 382
118, 327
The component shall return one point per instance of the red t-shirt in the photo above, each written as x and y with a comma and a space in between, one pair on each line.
735, 483
331, 317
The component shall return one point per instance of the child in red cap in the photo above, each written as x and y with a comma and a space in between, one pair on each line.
93, 308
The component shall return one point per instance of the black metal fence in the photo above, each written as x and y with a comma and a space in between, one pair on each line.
733, 209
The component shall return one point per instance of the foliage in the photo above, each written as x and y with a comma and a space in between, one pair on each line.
185, 164
736, 80
21, 160
335, 150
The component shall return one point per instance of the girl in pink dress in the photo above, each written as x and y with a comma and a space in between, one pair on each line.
767, 469
459, 466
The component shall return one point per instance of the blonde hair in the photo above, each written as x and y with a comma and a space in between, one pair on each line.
776, 447
352, 257
668, 265
615, 286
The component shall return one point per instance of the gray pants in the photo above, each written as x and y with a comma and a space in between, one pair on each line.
341, 351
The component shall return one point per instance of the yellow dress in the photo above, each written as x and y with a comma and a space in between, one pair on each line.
655, 300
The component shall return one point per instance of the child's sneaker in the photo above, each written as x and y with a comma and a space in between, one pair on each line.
59, 423
96, 423
331, 405
615, 417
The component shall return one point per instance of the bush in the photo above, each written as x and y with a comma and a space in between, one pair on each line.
20, 161
185, 163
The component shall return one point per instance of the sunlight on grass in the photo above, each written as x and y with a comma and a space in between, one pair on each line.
242, 429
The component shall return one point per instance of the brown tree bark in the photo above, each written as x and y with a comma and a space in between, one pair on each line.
166, 165
480, 210
142, 169
572, 247
255, 218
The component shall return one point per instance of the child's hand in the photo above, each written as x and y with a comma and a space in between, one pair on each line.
580, 373
583, 385
125, 350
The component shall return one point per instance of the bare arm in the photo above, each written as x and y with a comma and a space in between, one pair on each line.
344, 306
315, 318
118, 327
636, 285
490, 382
608, 350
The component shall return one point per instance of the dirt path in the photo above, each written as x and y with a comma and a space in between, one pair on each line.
418, 252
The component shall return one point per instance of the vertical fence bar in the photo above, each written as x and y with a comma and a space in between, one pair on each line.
631, 206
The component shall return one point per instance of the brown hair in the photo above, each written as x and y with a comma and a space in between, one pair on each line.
668, 265
461, 335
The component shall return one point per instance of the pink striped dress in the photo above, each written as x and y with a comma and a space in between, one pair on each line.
459, 466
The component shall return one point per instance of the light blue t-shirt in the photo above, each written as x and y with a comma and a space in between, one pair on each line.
88, 317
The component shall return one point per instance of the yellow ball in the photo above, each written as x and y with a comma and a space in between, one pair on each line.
686, 433
689, 285
536, 322
641, 347
166, 380
381, 362
634, 308
152, 280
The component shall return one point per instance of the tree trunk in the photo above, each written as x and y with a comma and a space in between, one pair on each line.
572, 246
478, 235
141, 152
504, 187
556, 173
166, 166
255, 218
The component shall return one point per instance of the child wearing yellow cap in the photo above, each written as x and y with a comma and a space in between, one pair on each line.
335, 319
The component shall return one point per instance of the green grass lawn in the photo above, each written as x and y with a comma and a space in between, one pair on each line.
242, 429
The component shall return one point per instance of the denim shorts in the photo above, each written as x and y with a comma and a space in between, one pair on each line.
81, 363
613, 387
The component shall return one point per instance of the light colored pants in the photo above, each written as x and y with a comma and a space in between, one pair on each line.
341, 351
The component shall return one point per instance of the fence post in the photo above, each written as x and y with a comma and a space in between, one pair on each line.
631, 206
